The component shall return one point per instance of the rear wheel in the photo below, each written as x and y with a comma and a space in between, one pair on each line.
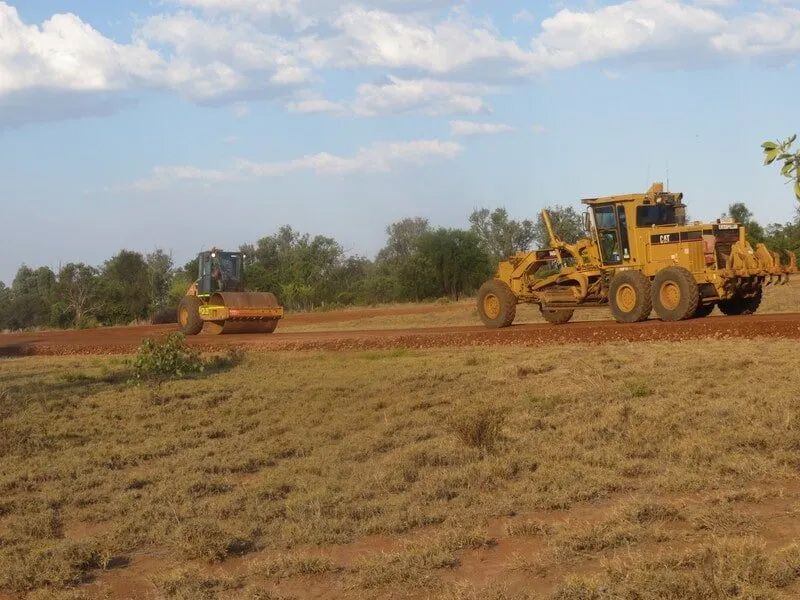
675, 294
703, 310
189, 315
497, 304
741, 306
556, 316
629, 297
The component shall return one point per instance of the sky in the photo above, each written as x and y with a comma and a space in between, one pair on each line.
186, 124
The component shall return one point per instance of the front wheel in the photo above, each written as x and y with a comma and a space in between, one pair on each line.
675, 294
497, 304
630, 297
189, 315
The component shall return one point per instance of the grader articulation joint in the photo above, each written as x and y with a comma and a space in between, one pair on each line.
640, 255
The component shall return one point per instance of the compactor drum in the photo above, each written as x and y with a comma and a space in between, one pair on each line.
640, 256
217, 302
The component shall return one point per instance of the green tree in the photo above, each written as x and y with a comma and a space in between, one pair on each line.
159, 265
567, 223
125, 288
743, 215
783, 152
79, 292
32, 298
500, 236
5, 306
457, 258
400, 268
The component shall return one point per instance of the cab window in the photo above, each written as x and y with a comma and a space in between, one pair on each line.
606, 220
655, 214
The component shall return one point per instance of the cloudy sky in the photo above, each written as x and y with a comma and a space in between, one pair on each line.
188, 123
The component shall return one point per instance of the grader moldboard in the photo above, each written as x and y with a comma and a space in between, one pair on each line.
217, 300
641, 255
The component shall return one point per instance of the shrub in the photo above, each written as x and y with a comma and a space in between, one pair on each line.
166, 359
479, 426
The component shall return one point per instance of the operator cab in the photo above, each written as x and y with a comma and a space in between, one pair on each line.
219, 272
608, 219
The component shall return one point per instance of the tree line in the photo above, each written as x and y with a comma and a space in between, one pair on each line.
418, 262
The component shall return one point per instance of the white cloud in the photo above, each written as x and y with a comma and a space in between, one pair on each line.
429, 95
379, 158
464, 128
212, 62
664, 30
382, 39
773, 36
315, 105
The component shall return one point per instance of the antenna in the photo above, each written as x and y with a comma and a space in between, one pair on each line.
668, 176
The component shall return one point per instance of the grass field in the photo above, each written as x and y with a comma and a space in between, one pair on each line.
647, 470
777, 299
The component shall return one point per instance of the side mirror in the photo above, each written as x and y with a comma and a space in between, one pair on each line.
587, 224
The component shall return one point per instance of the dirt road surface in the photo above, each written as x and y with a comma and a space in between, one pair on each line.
120, 340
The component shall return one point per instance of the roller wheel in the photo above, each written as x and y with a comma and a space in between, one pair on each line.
497, 304
630, 297
556, 316
741, 306
703, 310
189, 315
675, 294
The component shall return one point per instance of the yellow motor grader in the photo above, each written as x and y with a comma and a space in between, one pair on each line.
218, 303
640, 255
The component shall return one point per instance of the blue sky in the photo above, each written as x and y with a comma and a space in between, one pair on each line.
183, 124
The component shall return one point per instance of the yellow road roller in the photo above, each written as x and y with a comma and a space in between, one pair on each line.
217, 302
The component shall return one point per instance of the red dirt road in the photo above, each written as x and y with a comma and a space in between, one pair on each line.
120, 340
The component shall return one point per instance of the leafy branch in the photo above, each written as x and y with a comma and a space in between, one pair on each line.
782, 151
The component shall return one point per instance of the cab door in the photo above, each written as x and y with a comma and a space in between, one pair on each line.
612, 233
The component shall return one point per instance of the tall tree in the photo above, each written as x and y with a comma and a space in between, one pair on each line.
567, 223
500, 236
159, 264
457, 258
741, 214
32, 297
403, 239
126, 288
784, 152
79, 291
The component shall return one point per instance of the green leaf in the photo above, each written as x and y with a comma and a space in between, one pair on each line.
791, 140
771, 155
769, 146
797, 189
787, 168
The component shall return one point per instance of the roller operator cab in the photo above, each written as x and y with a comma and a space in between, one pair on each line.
640, 254
218, 303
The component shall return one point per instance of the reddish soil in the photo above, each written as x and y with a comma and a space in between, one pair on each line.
119, 340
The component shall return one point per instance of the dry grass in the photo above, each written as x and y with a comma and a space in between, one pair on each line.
635, 468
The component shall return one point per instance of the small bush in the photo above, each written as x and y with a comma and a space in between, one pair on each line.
479, 426
169, 358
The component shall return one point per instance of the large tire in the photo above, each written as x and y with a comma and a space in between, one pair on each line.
497, 304
189, 315
630, 297
741, 306
675, 294
703, 310
556, 316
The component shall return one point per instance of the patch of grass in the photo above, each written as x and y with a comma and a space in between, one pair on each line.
727, 569
169, 358
285, 566
479, 426
193, 583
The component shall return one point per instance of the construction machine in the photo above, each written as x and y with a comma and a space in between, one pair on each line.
640, 255
218, 302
